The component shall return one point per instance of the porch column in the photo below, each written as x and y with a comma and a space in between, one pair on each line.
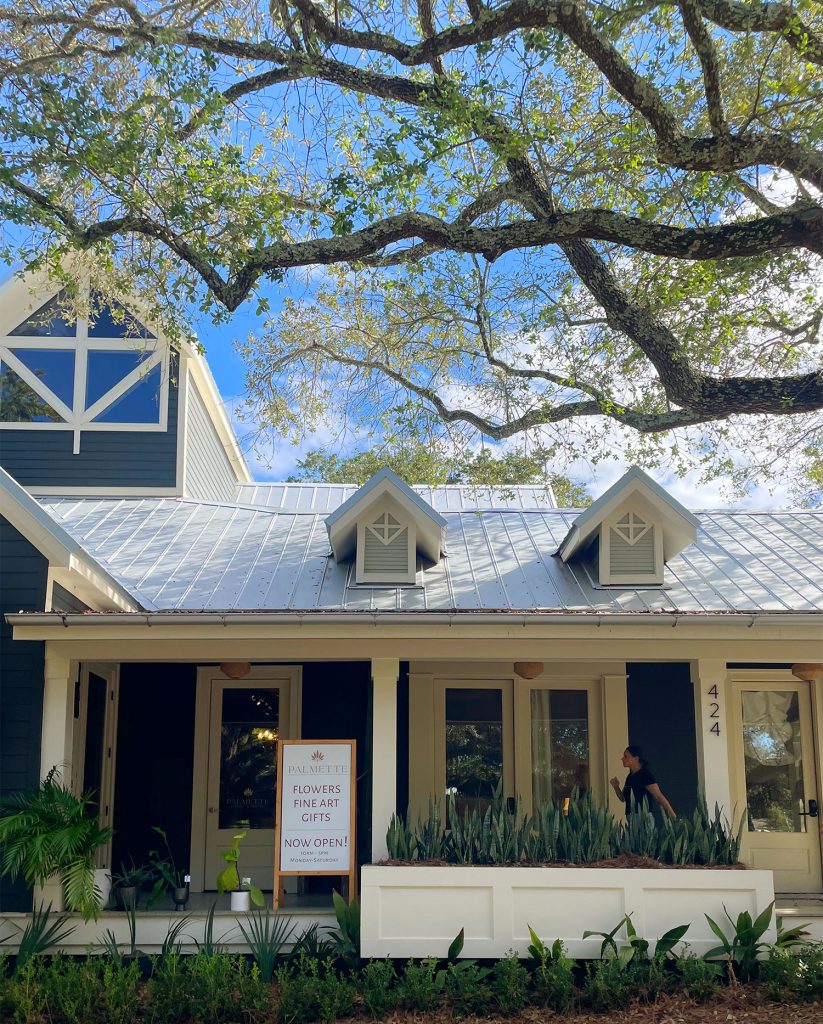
711, 735
616, 734
384, 674
56, 738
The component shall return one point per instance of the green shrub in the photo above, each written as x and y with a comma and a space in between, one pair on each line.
553, 975
421, 985
609, 984
378, 982
794, 975
466, 987
700, 978
510, 984
649, 977
207, 989
311, 991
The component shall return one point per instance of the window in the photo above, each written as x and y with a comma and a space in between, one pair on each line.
103, 371
560, 744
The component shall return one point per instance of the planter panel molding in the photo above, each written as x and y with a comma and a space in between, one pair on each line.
417, 911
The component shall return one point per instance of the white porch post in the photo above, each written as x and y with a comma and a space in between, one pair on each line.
711, 725
616, 734
56, 743
384, 673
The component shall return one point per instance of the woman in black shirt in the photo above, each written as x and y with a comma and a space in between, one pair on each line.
640, 784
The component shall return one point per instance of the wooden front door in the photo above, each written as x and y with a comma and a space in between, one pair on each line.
244, 720
777, 781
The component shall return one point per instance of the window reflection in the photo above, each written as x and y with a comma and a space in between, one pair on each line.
140, 404
19, 403
773, 759
52, 320
474, 745
110, 319
560, 744
54, 367
248, 758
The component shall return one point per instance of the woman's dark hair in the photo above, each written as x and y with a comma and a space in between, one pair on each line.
636, 751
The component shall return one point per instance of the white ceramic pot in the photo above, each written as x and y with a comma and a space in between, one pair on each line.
241, 901
102, 883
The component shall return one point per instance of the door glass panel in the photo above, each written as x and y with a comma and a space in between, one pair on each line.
773, 758
248, 758
474, 745
560, 744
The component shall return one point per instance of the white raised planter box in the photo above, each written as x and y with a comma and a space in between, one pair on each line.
417, 911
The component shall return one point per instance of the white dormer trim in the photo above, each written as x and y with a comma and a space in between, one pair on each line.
385, 492
675, 528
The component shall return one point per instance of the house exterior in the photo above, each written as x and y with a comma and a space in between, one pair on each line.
166, 619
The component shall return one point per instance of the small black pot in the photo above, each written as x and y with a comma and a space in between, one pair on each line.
127, 897
180, 896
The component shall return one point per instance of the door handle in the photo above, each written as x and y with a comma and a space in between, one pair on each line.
212, 810
813, 810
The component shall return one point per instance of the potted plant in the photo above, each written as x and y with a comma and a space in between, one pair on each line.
167, 874
229, 880
128, 882
48, 832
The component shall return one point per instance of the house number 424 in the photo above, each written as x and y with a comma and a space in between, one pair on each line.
714, 710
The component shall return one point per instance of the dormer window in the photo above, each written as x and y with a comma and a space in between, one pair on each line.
383, 527
103, 370
386, 551
636, 527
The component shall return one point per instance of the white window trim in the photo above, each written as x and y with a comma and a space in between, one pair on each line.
78, 418
638, 578
410, 576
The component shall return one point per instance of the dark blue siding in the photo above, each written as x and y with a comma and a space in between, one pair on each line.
23, 573
107, 458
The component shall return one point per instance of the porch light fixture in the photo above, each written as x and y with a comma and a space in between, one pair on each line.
235, 669
810, 672
528, 669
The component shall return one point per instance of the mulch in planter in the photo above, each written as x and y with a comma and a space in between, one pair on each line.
625, 860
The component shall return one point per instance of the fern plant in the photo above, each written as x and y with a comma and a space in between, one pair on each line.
50, 831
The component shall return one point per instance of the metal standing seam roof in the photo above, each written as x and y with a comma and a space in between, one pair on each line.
297, 497
179, 554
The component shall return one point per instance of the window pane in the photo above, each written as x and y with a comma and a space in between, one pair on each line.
112, 320
474, 745
55, 367
773, 758
19, 403
107, 368
560, 744
51, 320
140, 404
248, 758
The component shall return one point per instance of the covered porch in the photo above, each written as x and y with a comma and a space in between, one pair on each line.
140, 709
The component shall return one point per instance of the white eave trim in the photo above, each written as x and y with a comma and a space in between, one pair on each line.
449, 618
73, 566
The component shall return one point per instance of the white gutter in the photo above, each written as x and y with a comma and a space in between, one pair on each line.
451, 618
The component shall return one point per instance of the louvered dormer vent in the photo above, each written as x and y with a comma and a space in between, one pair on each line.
632, 548
386, 547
